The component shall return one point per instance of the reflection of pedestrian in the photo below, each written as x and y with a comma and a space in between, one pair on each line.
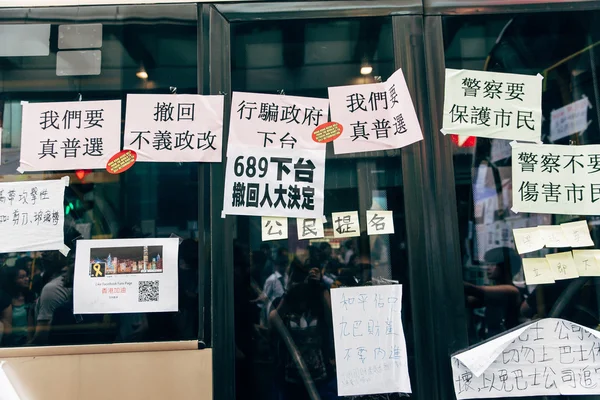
16, 284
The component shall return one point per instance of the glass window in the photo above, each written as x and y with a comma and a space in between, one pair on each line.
304, 58
144, 49
561, 47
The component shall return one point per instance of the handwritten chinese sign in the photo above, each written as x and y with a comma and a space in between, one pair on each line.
275, 182
548, 357
32, 215
310, 228
537, 271
380, 222
69, 135
370, 349
181, 128
569, 119
494, 105
345, 224
274, 228
274, 122
376, 116
555, 179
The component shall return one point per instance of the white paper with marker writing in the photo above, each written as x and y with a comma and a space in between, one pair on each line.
32, 215
7, 389
380, 222
556, 179
274, 228
126, 276
370, 348
569, 119
310, 228
69, 135
547, 357
345, 224
493, 105
176, 128
375, 116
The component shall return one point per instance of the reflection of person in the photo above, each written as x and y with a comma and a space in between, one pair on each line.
5, 315
17, 287
274, 285
186, 319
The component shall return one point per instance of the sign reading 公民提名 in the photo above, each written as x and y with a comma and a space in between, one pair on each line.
69, 135
376, 116
274, 167
179, 128
370, 349
548, 357
32, 215
555, 179
493, 105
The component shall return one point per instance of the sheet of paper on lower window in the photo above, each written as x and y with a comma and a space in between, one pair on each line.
370, 348
126, 276
69, 135
7, 389
544, 358
32, 215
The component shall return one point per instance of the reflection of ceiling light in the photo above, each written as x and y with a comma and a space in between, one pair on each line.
366, 69
142, 74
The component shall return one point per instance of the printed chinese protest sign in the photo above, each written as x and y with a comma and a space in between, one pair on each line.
126, 276
168, 127
370, 349
493, 105
32, 215
70, 135
548, 357
569, 119
555, 179
274, 122
275, 182
376, 116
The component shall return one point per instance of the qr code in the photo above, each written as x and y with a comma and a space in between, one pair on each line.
148, 291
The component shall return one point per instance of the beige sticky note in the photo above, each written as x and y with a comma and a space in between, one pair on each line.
553, 236
562, 265
577, 233
380, 222
345, 224
587, 262
528, 240
310, 228
537, 271
274, 228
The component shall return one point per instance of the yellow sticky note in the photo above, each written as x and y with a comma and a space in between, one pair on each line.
586, 262
553, 236
537, 271
562, 265
528, 240
577, 234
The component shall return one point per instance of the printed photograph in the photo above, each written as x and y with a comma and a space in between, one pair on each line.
126, 260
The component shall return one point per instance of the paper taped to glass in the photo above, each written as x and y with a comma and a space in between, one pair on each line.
544, 358
7, 390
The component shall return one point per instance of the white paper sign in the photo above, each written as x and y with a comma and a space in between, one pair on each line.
586, 262
528, 240
380, 222
577, 234
562, 265
537, 271
493, 105
274, 228
7, 390
274, 122
376, 116
180, 128
32, 215
345, 224
275, 182
370, 349
545, 358
569, 119
69, 135
310, 228
126, 276
555, 179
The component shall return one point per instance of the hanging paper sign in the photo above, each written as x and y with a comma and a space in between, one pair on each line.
555, 179
121, 161
310, 228
493, 105
32, 215
380, 222
179, 128
549, 357
275, 182
376, 116
274, 122
126, 276
569, 119
345, 224
370, 349
70, 135
274, 228
327, 132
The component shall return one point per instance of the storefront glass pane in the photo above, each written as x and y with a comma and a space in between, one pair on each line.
143, 49
561, 47
304, 58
